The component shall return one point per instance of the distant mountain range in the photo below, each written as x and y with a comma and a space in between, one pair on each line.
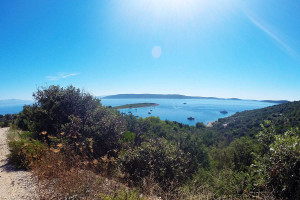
176, 96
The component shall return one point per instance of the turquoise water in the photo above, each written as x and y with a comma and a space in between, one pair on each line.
203, 110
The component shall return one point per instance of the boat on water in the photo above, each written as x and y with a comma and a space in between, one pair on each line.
149, 113
224, 111
184, 103
191, 118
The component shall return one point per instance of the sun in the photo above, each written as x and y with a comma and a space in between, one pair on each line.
162, 9
173, 12
172, 7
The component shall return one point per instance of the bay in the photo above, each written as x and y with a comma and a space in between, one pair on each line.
203, 110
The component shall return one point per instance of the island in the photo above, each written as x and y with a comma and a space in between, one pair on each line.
154, 96
179, 96
224, 112
136, 105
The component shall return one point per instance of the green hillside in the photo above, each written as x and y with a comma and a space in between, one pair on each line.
247, 123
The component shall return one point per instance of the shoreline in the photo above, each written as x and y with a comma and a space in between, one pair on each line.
210, 124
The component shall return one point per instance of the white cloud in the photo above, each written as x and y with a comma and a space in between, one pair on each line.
61, 76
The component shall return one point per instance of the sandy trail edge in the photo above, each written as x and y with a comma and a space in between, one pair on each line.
14, 184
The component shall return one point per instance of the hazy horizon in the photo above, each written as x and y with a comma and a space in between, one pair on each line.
226, 49
101, 96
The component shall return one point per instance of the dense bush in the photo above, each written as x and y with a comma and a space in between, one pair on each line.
223, 183
25, 118
279, 167
239, 155
156, 158
187, 138
53, 108
75, 113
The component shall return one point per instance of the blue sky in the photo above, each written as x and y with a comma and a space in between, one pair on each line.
225, 48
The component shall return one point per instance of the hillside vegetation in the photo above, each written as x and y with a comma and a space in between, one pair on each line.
81, 149
283, 117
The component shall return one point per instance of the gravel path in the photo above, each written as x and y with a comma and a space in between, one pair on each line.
14, 184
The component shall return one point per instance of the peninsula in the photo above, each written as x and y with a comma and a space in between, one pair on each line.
136, 105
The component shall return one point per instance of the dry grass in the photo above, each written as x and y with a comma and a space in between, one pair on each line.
67, 176
62, 174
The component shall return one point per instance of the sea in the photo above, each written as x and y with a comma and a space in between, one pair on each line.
10, 109
202, 110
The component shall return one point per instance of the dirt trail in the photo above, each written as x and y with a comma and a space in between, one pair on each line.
14, 184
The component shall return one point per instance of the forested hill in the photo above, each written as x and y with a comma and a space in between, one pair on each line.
282, 116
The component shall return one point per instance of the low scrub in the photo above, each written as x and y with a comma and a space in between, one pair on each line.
23, 150
62, 174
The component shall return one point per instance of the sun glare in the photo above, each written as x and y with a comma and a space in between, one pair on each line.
178, 8
171, 5
163, 9
171, 12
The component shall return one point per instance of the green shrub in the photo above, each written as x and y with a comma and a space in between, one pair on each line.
239, 155
157, 158
128, 137
224, 182
279, 168
76, 114
25, 118
23, 152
